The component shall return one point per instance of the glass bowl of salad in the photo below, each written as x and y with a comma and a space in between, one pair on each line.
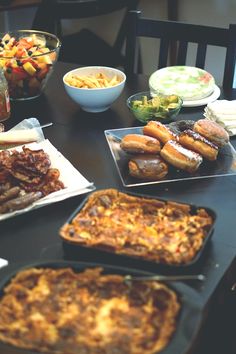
163, 108
27, 58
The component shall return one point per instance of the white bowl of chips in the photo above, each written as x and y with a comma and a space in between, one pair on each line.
94, 88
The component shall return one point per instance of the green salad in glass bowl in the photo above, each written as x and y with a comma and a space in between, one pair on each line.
163, 108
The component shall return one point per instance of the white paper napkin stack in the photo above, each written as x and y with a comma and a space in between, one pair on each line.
3, 262
224, 113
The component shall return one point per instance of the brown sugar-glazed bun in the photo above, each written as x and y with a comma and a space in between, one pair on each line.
198, 143
180, 157
212, 131
159, 131
140, 144
148, 167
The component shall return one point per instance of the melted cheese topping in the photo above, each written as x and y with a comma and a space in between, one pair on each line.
86, 312
142, 227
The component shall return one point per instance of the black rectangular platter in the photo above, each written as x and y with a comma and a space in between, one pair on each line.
74, 251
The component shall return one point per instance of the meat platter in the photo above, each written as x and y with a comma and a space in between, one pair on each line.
43, 169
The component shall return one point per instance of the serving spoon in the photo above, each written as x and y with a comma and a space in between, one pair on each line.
130, 278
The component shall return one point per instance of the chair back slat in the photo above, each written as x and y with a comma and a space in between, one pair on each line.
163, 53
182, 53
230, 59
201, 55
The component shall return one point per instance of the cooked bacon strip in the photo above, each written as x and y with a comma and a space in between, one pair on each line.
28, 160
27, 170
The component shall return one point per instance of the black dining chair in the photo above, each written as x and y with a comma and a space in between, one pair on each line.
182, 34
84, 47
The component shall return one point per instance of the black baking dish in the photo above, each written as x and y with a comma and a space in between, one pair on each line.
73, 251
188, 323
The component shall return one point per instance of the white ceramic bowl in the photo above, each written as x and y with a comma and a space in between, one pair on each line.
95, 99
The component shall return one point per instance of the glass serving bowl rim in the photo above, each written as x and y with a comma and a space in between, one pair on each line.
11, 33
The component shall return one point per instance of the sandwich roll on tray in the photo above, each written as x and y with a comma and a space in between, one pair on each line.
159, 131
180, 157
138, 143
199, 144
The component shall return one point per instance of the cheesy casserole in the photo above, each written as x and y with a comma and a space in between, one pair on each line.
59, 311
165, 232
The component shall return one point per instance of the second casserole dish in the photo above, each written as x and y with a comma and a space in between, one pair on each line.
154, 230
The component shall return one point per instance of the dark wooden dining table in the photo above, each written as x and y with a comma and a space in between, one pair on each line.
79, 136
10, 5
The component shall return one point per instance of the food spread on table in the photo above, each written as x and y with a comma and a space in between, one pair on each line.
102, 312
151, 229
26, 62
97, 312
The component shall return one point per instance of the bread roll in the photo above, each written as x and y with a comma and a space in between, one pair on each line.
18, 137
159, 131
180, 157
212, 131
140, 144
198, 143
148, 167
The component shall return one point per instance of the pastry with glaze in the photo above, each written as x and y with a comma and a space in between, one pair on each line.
140, 144
180, 157
196, 142
159, 131
148, 167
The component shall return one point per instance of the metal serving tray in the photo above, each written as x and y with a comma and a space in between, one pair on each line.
189, 320
224, 165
